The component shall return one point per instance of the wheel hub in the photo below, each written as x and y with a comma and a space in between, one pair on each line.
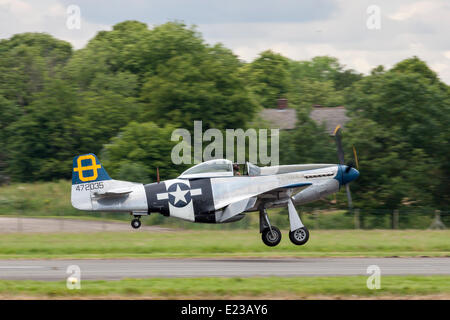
272, 236
299, 234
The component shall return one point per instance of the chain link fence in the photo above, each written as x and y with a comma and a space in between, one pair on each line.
378, 219
15, 211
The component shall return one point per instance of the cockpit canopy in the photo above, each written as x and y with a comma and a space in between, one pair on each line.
211, 168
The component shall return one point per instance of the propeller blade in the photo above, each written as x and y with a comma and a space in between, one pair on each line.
340, 151
356, 157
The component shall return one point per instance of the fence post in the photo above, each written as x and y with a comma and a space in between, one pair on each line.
395, 219
437, 222
357, 222
61, 222
19, 217
316, 219
103, 221
19, 223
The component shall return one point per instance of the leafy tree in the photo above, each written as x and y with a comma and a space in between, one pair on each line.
130, 171
399, 126
167, 41
101, 115
415, 65
201, 86
9, 113
378, 70
311, 92
124, 83
323, 69
109, 53
307, 143
41, 144
319, 81
345, 79
268, 78
141, 148
391, 172
27, 61
177, 76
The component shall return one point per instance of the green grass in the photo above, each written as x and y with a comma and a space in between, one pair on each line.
39, 198
232, 243
225, 288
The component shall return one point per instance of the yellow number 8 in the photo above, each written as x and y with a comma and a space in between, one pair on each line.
94, 167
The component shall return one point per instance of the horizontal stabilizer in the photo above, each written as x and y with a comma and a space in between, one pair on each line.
112, 193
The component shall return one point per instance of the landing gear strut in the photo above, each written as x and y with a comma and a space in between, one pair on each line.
271, 235
136, 222
298, 234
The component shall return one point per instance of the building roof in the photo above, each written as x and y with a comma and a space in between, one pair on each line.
330, 116
280, 118
287, 118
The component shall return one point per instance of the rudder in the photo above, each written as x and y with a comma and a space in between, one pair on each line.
87, 168
87, 174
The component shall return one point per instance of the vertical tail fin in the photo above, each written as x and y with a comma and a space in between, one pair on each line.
87, 174
87, 168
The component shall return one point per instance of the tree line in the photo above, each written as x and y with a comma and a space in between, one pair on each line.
123, 94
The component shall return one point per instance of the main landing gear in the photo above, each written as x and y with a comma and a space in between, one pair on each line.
271, 235
298, 234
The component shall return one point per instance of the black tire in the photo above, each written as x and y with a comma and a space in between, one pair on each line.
136, 223
300, 236
270, 239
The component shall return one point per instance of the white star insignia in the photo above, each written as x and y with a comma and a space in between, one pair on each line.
179, 195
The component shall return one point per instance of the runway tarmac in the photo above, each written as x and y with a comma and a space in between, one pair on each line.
148, 268
49, 225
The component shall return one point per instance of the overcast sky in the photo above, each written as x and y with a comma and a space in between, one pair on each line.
297, 29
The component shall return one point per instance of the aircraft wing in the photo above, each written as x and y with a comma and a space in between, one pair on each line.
236, 208
275, 196
278, 197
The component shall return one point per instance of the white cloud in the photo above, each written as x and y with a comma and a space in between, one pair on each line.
345, 36
331, 27
414, 9
48, 16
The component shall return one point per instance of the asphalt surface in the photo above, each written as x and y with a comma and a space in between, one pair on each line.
51, 225
139, 268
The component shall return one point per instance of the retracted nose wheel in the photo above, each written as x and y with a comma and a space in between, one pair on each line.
135, 223
271, 236
299, 236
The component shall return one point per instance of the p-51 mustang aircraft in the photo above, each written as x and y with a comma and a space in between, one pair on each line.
209, 192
